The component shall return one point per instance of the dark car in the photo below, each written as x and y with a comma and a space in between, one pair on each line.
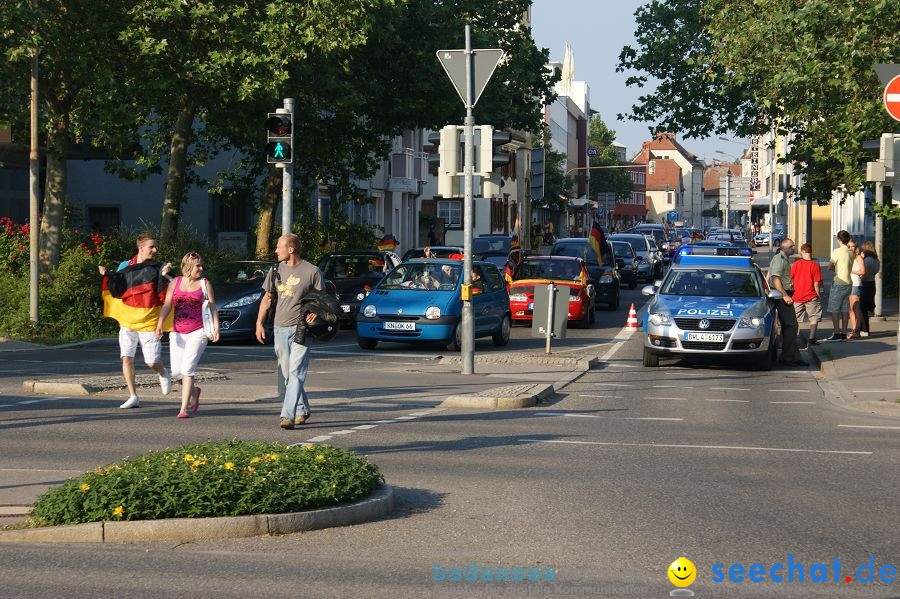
605, 278
492, 248
239, 290
354, 274
628, 262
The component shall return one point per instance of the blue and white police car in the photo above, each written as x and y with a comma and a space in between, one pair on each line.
714, 301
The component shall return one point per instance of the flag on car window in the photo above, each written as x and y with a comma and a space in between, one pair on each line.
388, 243
598, 241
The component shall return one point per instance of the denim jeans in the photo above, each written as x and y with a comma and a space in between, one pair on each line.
293, 362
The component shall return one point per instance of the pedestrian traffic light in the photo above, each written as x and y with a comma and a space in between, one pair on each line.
279, 127
488, 158
448, 140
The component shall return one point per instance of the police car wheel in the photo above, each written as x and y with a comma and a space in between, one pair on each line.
766, 360
651, 360
366, 343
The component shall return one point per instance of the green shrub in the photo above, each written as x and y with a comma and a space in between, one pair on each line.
225, 478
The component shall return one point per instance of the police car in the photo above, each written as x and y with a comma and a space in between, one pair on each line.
713, 301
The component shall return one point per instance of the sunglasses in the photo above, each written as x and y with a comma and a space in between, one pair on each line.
193, 255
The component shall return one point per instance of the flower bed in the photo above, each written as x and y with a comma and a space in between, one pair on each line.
226, 478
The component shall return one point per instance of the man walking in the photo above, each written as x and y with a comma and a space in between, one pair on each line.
133, 296
807, 276
839, 298
780, 279
288, 281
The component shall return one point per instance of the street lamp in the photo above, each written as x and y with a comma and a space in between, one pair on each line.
727, 154
731, 141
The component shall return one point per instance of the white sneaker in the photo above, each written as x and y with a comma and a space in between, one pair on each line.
133, 402
165, 382
863, 333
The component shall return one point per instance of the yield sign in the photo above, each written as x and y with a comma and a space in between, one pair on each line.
892, 98
454, 63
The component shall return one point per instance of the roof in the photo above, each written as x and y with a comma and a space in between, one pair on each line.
713, 174
663, 141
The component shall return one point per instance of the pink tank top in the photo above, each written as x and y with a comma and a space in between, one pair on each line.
188, 309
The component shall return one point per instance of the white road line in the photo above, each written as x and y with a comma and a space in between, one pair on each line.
606, 417
597, 396
419, 413
876, 390
734, 400
890, 428
789, 390
793, 402
404, 363
319, 439
729, 389
669, 398
405, 418
668, 446
611, 384
343, 432
364, 427
618, 341
383, 421
22, 403
671, 387
321, 372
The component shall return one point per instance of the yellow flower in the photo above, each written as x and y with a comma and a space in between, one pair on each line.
272, 456
229, 466
251, 469
119, 511
85, 487
309, 446
188, 457
254, 460
320, 457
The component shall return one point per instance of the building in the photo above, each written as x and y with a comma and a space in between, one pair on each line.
633, 210
713, 201
684, 194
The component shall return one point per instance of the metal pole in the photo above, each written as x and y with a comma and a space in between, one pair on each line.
896, 194
728, 199
551, 295
287, 180
879, 245
34, 180
468, 330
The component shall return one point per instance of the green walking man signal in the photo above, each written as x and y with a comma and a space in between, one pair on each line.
279, 127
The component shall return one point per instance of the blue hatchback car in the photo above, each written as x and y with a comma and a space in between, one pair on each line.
420, 302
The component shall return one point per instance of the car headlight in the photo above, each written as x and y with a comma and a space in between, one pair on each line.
244, 301
660, 319
606, 279
748, 322
574, 298
360, 296
370, 311
518, 297
432, 313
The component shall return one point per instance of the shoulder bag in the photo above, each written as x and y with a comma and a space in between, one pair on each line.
208, 325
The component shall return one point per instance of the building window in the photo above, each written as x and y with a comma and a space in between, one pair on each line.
669, 196
103, 218
451, 212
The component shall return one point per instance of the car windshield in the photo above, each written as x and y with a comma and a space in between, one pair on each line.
491, 245
623, 250
710, 282
439, 252
240, 272
423, 276
568, 270
579, 250
347, 266
637, 243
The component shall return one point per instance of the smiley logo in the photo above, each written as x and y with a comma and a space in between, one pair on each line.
682, 572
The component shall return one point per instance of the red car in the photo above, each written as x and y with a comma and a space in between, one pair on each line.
564, 271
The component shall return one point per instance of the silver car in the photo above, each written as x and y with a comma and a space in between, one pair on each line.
650, 266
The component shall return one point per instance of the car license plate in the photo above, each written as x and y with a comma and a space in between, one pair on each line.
710, 337
400, 326
531, 305
345, 308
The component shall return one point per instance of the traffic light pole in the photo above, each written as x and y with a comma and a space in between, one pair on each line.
34, 223
287, 181
467, 333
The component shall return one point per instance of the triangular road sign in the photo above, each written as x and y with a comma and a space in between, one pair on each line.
454, 63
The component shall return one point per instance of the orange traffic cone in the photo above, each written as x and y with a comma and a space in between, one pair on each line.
632, 322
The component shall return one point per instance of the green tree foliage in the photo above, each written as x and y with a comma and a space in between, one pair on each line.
748, 66
616, 180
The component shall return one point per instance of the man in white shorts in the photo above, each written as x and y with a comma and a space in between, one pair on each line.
131, 295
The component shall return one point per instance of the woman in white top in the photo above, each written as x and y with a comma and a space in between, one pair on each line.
856, 276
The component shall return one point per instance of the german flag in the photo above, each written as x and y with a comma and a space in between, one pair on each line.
388, 243
134, 295
598, 241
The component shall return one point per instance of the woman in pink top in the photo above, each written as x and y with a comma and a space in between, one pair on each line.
188, 340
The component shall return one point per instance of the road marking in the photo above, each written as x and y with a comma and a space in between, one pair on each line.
729, 389
606, 417
611, 384
669, 398
789, 390
876, 390
734, 400
383, 421
419, 413
318, 439
618, 341
405, 418
890, 428
668, 446
22, 403
670, 387
364, 427
793, 402
343, 432
597, 396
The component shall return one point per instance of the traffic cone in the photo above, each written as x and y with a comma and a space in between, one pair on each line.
632, 322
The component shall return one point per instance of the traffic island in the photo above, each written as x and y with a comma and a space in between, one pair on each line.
502, 398
209, 491
92, 385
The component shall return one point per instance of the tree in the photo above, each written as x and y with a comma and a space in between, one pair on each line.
729, 65
609, 180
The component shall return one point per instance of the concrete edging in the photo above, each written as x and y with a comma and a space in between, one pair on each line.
494, 399
379, 503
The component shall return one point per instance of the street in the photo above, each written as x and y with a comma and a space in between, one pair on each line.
618, 475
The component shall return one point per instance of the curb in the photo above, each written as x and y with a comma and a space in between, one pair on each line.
379, 503
116, 383
574, 363
503, 398
835, 390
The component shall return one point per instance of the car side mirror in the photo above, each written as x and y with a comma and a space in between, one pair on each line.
775, 294
648, 290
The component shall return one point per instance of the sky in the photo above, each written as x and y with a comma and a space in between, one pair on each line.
597, 30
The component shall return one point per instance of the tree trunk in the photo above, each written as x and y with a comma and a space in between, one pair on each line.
266, 224
174, 196
55, 194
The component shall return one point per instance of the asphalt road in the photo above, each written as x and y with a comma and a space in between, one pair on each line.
626, 470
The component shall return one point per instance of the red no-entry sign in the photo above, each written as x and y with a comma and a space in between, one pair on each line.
892, 97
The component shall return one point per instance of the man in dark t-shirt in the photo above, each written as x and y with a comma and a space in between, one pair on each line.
288, 281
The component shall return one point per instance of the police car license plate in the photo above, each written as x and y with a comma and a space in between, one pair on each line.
710, 337
400, 326
345, 308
